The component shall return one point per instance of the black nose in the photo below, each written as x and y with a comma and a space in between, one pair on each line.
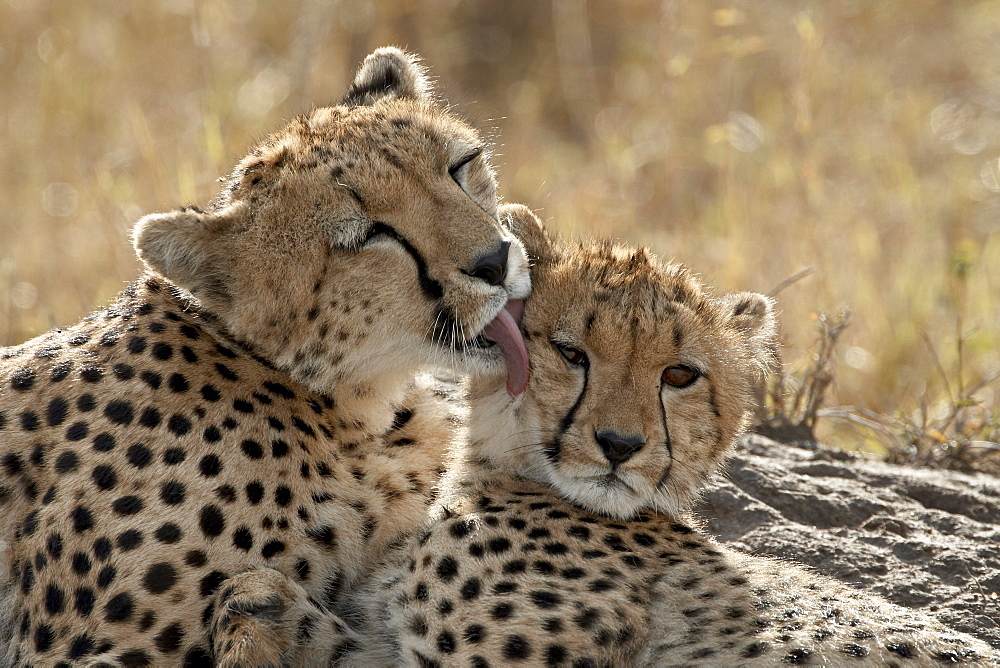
617, 448
492, 267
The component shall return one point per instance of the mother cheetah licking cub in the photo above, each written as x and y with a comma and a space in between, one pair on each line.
240, 405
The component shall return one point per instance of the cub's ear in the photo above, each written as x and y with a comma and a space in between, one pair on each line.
753, 315
387, 73
190, 248
527, 227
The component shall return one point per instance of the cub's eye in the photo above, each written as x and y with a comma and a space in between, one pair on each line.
680, 376
455, 170
572, 355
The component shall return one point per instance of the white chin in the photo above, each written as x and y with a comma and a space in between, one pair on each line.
611, 498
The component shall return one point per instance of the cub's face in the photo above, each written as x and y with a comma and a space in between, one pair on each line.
360, 240
640, 381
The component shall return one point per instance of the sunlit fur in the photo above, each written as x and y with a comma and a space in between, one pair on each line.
633, 316
283, 261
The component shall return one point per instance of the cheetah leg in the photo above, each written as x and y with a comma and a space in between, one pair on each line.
262, 618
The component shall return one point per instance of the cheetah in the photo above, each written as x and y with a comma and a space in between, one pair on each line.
258, 397
561, 535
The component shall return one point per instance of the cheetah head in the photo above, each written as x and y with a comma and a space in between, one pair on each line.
360, 241
640, 379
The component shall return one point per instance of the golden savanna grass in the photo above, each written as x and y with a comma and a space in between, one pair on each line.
749, 140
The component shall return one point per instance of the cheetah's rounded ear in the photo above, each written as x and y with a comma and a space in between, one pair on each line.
527, 227
753, 314
388, 73
190, 248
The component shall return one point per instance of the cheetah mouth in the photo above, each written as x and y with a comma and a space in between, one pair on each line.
503, 332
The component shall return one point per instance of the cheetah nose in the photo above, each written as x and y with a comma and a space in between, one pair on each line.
618, 448
492, 267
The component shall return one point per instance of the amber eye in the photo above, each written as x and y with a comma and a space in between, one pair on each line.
572, 355
680, 376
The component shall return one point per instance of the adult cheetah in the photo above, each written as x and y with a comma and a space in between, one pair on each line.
249, 401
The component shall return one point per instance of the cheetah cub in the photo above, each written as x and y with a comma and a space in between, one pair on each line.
560, 537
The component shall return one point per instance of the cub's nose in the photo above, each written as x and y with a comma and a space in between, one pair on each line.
492, 267
618, 448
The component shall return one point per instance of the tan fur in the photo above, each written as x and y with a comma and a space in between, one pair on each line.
250, 403
535, 560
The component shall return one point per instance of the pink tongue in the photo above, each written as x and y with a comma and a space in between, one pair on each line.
503, 330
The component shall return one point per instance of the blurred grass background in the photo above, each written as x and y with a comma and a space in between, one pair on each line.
749, 140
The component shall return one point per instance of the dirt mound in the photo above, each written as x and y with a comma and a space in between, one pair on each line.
924, 538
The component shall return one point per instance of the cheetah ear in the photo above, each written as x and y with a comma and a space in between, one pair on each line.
190, 248
388, 73
527, 227
753, 315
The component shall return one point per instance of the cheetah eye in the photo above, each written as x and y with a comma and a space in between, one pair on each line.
572, 355
456, 171
680, 376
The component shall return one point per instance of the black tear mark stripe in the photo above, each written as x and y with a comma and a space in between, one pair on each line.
554, 446
428, 285
666, 442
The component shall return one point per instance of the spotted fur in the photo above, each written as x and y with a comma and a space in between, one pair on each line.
250, 402
549, 547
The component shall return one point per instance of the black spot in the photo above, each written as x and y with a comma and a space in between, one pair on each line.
56, 412
106, 576
210, 393
159, 578
22, 379
225, 372
104, 476
255, 492
129, 540
753, 650
82, 519
119, 412
502, 611
243, 539
76, 431
174, 456
447, 569
172, 493
150, 418
29, 421
162, 351
61, 371
545, 599
102, 548
81, 646
210, 465
169, 639
127, 505
178, 424
119, 608
12, 464
134, 658
123, 371
211, 582
516, 648
279, 448
195, 558
470, 589
272, 548
212, 522
43, 637
851, 649
104, 442
91, 373
498, 545
139, 456
252, 449
168, 533
86, 403
54, 545
151, 378
55, 599
83, 601
902, 649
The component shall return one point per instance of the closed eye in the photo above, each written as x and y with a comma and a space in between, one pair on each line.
455, 169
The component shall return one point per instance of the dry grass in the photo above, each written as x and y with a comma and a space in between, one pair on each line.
747, 139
